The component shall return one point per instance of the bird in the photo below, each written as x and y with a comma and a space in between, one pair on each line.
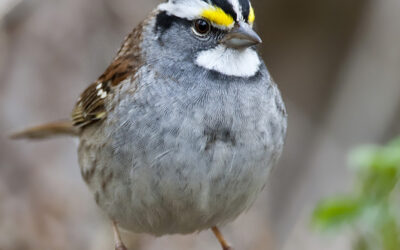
181, 131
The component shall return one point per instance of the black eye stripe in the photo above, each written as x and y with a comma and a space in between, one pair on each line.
164, 21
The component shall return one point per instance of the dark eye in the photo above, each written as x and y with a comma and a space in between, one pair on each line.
201, 27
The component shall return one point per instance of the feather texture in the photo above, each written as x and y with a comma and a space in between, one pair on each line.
54, 129
91, 105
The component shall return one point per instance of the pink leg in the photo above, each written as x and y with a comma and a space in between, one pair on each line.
220, 237
119, 245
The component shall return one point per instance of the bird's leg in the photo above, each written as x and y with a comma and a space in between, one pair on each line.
119, 245
220, 237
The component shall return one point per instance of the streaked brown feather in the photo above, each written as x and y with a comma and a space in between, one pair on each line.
60, 128
91, 106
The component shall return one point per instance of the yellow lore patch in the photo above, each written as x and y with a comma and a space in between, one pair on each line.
217, 16
252, 15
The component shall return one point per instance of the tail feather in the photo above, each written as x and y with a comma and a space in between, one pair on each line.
46, 131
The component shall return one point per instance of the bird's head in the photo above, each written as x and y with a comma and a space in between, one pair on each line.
216, 35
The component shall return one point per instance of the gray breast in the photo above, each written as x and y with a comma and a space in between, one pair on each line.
190, 156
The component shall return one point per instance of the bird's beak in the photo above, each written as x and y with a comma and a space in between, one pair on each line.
240, 37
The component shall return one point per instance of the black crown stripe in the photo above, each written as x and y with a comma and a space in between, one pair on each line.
225, 6
245, 4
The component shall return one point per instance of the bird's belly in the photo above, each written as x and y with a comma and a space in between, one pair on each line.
178, 183
169, 166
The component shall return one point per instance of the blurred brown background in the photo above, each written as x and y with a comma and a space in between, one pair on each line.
337, 63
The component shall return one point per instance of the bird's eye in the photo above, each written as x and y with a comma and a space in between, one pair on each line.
201, 27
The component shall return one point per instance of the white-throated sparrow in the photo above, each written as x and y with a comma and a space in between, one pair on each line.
181, 131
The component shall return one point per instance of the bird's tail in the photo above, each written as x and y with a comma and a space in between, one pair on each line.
49, 130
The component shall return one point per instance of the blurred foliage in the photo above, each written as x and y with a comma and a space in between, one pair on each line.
371, 212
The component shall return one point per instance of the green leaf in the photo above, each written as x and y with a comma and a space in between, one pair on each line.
336, 212
390, 233
361, 244
374, 157
387, 158
363, 157
395, 142
377, 185
371, 209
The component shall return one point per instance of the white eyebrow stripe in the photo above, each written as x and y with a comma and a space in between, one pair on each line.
188, 9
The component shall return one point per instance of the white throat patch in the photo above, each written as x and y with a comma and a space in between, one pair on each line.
231, 62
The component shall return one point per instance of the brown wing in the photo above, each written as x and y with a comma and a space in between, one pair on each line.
91, 106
